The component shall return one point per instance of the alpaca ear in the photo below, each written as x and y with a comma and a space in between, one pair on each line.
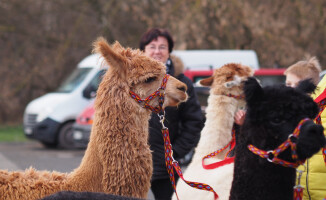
306, 86
207, 81
253, 91
117, 46
114, 59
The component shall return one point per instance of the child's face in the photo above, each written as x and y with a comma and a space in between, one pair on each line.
292, 80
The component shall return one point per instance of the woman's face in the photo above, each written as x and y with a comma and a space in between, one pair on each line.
158, 49
292, 80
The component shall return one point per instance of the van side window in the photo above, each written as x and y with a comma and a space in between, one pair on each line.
90, 90
97, 79
74, 80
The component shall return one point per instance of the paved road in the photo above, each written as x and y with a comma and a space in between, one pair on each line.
19, 156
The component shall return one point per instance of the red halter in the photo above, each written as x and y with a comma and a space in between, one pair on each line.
235, 96
271, 155
226, 160
158, 108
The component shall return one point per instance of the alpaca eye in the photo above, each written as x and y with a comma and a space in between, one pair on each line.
150, 79
276, 121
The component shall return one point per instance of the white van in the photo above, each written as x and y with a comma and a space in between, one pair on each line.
49, 118
212, 59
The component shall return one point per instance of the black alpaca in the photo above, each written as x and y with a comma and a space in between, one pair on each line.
272, 114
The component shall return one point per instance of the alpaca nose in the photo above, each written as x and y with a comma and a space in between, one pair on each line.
183, 88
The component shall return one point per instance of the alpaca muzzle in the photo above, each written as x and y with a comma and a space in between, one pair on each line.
312, 139
157, 93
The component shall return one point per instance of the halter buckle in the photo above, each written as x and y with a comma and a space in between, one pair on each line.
162, 118
299, 176
173, 160
292, 138
269, 155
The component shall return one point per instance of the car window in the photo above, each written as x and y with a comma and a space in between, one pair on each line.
202, 95
271, 79
198, 78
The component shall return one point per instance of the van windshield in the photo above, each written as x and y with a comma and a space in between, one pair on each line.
74, 80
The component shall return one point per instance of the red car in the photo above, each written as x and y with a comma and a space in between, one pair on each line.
82, 127
83, 124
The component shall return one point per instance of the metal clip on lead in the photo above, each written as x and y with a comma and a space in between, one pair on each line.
162, 118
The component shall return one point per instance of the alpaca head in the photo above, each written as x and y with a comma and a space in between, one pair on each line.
273, 113
228, 79
131, 70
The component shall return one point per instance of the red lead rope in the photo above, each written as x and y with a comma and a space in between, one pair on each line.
169, 160
171, 163
226, 160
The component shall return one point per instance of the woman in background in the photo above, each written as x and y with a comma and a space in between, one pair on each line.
184, 122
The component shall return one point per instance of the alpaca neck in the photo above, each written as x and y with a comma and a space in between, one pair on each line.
217, 131
117, 137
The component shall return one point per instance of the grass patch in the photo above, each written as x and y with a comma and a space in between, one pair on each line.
12, 133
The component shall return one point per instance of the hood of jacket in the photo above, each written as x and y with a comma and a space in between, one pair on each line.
177, 64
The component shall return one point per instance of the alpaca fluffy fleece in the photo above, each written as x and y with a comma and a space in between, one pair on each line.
273, 112
118, 159
216, 133
27, 184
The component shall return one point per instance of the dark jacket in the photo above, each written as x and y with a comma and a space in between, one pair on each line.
184, 123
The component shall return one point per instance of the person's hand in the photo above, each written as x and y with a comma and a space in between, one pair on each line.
239, 117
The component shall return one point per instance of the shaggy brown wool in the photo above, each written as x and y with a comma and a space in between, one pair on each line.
118, 159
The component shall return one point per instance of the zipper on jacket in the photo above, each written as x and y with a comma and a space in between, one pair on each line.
307, 174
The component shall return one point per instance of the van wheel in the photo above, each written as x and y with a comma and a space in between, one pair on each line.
49, 145
65, 137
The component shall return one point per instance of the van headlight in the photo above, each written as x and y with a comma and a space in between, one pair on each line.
44, 114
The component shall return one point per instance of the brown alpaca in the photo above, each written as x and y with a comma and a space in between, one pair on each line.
118, 159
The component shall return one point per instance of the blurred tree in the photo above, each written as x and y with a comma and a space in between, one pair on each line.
42, 41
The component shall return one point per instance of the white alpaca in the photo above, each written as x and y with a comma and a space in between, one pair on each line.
216, 134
